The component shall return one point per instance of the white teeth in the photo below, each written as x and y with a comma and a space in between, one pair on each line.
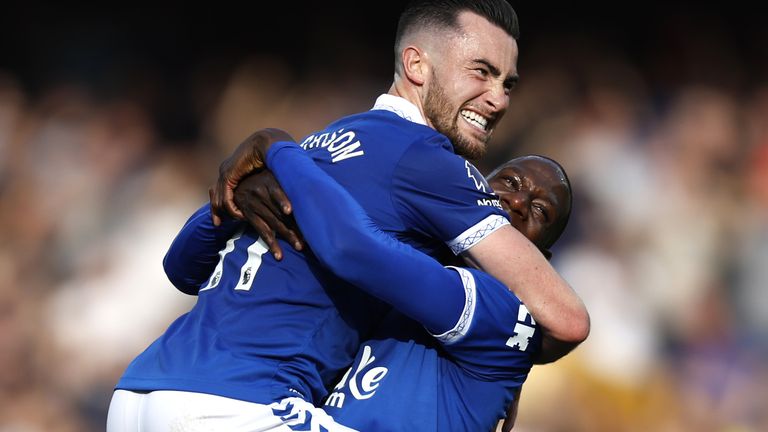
475, 118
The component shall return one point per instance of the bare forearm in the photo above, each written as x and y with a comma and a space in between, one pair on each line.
516, 262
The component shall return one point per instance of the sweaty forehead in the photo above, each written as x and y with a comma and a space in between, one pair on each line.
541, 175
543, 169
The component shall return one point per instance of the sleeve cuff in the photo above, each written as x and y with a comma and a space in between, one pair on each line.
477, 233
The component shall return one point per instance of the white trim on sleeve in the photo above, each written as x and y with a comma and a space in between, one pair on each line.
476, 233
465, 320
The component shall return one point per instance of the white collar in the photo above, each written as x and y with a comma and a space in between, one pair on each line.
400, 106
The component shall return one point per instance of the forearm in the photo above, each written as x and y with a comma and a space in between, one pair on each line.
347, 242
511, 258
194, 252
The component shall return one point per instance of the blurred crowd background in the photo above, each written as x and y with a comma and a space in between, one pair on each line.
113, 120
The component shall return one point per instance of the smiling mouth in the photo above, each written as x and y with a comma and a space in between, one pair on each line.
479, 122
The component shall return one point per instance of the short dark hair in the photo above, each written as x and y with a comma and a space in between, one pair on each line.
444, 14
558, 230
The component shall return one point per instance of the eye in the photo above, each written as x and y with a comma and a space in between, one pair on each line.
513, 183
509, 85
508, 88
541, 211
483, 72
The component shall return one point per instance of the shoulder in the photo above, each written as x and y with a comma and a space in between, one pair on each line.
407, 133
379, 131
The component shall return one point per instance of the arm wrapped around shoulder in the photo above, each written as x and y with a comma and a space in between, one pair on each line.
346, 241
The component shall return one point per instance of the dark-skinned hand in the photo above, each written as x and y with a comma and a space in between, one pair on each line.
248, 158
265, 206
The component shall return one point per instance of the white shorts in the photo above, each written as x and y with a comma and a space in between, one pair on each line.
177, 411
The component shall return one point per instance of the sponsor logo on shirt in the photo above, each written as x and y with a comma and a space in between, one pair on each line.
362, 382
489, 202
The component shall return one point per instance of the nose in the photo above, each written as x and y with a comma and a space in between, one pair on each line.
497, 97
518, 202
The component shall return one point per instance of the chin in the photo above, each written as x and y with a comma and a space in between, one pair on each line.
475, 143
471, 149
467, 143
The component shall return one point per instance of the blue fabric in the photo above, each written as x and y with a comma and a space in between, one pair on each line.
402, 379
194, 251
262, 330
349, 244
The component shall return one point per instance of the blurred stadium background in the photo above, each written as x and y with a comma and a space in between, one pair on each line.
113, 119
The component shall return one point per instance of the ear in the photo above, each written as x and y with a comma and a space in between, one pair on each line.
415, 66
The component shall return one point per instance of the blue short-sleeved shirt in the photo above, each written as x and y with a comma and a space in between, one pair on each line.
263, 330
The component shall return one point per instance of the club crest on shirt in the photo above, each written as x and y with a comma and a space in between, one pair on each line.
477, 179
479, 182
340, 144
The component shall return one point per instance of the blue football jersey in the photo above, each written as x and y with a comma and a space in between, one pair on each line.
459, 378
263, 330
464, 375
404, 379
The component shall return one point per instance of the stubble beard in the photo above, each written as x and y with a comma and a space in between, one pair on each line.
441, 113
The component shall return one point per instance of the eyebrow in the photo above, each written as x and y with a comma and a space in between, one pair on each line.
511, 80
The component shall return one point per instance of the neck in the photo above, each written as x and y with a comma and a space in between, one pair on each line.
411, 94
